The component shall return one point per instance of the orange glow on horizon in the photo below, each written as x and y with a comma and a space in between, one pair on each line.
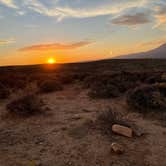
51, 61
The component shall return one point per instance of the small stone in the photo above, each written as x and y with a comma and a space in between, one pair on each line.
122, 130
117, 148
138, 132
64, 128
163, 77
86, 110
76, 117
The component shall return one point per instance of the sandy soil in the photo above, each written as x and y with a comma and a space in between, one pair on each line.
63, 136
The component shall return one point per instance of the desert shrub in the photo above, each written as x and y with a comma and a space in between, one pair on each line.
112, 85
66, 79
80, 76
153, 78
107, 118
13, 81
162, 88
163, 77
4, 92
146, 97
25, 106
71, 77
100, 90
88, 82
125, 80
50, 86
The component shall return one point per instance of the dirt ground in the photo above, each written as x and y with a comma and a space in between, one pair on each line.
63, 136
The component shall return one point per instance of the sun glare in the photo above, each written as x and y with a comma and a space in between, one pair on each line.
51, 61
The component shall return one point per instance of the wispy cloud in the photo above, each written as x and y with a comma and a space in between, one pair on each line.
70, 8
83, 12
160, 14
132, 19
61, 9
6, 42
8, 3
154, 43
55, 46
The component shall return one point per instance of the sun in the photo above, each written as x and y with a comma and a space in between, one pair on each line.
51, 61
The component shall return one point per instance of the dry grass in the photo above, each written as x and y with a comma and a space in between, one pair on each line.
27, 105
50, 86
162, 88
104, 90
112, 85
4, 92
146, 98
107, 118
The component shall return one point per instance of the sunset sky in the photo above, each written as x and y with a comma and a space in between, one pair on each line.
32, 31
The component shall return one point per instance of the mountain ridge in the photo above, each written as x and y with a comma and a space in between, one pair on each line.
157, 53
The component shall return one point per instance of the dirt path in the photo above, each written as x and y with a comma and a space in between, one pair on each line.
62, 136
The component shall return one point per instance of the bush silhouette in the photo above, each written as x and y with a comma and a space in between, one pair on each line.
25, 106
4, 92
107, 118
146, 97
50, 86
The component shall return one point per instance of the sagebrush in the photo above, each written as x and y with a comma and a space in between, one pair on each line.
27, 105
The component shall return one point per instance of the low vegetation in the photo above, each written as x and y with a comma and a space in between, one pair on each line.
162, 88
104, 90
107, 118
4, 92
105, 79
147, 97
119, 83
27, 105
50, 86
111, 85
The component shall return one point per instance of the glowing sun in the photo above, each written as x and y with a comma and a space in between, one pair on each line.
51, 61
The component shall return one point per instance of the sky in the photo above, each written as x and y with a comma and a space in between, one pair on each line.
32, 31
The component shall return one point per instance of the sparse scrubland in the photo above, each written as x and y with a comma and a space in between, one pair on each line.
49, 86
67, 116
26, 106
147, 98
4, 92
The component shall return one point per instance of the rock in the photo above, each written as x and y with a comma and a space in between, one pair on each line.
117, 148
76, 117
138, 132
163, 77
161, 85
86, 110
122, 130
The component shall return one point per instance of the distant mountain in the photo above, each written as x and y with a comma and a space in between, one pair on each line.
157, 53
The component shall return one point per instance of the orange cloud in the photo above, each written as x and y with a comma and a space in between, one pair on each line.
55, 46
160, 15
161, 19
